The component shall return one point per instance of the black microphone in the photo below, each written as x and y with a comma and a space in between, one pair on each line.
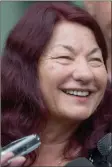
105, 148
80, 162
109, 159
104, 145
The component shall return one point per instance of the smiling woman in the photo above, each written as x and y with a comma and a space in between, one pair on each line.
76, 78
54, 82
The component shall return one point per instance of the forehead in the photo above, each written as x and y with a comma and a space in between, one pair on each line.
73, 34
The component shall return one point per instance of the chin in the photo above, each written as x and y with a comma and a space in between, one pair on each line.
79, 116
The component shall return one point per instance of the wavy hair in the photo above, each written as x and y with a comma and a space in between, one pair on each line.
23, 110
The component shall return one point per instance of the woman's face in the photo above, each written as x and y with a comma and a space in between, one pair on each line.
72, 73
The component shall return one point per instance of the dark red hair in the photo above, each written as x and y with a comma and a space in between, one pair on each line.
23, 111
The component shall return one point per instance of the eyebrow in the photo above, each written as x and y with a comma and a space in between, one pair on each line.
68, 47
94, 51
71, 49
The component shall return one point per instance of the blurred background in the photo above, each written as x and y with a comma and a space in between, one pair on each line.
11, 11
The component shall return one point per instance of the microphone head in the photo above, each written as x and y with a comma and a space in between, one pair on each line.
109, 158
80, 162
104, 145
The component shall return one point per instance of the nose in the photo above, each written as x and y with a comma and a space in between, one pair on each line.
82, 72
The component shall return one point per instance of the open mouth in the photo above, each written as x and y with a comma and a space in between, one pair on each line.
78, 93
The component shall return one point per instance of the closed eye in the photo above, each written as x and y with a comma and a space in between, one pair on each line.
64, 60
96, 59
65, 57
96, 62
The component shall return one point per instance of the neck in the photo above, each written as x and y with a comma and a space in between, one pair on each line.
57, 132
54, 139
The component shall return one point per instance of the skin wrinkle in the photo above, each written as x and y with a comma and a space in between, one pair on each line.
48, 59
55, 115
101, 11
55, 73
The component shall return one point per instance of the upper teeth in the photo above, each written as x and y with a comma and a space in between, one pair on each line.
77, 93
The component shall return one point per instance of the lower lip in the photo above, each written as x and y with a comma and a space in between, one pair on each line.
81, 99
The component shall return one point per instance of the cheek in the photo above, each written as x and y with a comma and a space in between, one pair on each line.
49, 76
101, 78
54, 73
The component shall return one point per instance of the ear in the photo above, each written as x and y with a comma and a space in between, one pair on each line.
90, 7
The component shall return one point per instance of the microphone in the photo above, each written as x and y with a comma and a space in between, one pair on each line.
80, 162
109, 159
104, 145
105, 148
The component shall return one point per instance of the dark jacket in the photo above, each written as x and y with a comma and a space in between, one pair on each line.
97, 159
94, 155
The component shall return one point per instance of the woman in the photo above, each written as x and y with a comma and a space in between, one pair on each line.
54, 79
